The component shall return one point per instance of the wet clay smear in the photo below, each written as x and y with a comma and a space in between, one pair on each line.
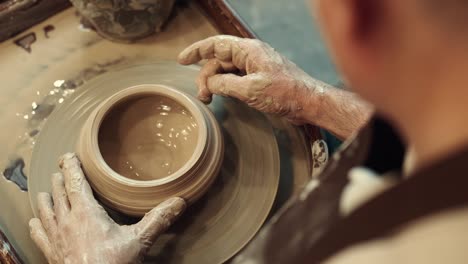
37, 112
15, 173
147, 138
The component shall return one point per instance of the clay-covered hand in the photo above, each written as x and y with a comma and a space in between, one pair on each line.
73, 228
252, 71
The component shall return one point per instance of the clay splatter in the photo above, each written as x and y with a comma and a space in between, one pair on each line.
33, 132
61, 89
38, 112
48, 29
15, 173
26, 41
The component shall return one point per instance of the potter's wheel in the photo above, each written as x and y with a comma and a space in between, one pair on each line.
232, 211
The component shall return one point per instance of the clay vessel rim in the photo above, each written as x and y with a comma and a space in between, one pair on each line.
150, 89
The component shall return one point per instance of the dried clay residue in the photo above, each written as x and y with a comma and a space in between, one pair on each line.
38, 111
26, 41
14, 172
48, 29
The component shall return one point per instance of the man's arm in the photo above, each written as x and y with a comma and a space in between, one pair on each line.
339, 111
253, 72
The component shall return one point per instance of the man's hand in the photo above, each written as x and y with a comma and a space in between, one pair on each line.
73, 228
252, 71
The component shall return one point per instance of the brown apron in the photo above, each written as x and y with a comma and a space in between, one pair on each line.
310, 230
436, 188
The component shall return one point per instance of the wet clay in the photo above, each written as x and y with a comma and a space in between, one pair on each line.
147, 138
222, 221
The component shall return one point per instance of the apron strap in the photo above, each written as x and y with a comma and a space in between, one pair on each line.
431, 190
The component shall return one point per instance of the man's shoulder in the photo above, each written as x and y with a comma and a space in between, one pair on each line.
438, 238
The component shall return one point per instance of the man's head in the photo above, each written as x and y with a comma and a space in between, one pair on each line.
397, 54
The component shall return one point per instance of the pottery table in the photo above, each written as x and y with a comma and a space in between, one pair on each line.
61, 58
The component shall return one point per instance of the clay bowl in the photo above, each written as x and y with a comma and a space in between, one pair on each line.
148, 143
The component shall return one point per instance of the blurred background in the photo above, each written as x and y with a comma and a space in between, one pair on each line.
288, 26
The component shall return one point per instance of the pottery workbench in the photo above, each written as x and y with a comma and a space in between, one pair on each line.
45, 65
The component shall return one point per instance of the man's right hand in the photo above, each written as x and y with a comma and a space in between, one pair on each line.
252, 71
74, 228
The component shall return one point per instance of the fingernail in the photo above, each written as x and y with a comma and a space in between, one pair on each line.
205, 100
57, 176
31, 224
182, 57
176, 205
66, 157
42, 195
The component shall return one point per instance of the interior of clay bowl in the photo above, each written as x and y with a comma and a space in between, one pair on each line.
147, 133
147, 137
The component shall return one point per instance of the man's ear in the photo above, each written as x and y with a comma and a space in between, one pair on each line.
367, 15
367, 29
354, 30
366, 26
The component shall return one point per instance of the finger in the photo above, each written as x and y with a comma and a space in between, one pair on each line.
76, 185
219, 47
244, 88
212, 67
39, 236
46, 214
59, 195
159, 219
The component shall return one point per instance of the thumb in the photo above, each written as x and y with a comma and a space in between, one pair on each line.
159, 219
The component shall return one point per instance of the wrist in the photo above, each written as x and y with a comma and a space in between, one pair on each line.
310, 97
340, 112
